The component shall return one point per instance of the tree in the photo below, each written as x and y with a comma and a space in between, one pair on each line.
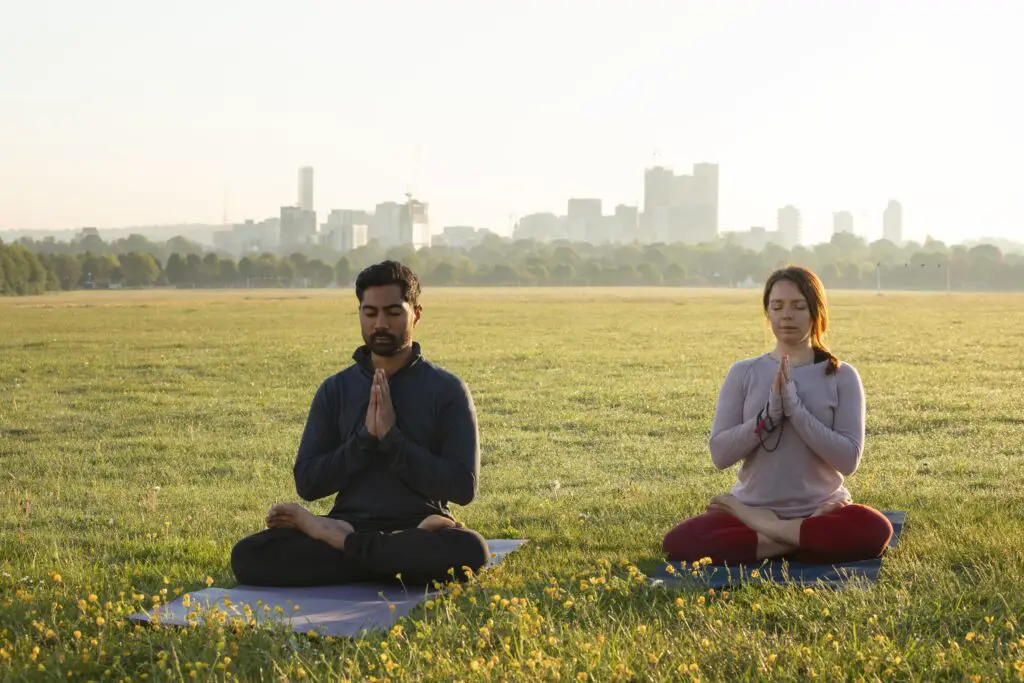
176, 270
647, 274
228, 272
139, 269
443, 274
344, 272
67, 268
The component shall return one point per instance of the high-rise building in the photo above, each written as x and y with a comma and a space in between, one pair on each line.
543, 227
659, 184
584, 220
306, 188
414, 224
346, 229
387, 218
790, 231
680, 208
705, 203
842, 221
627, 223
348, 236
892, 222
298, 226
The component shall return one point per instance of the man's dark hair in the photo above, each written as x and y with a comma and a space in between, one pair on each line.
389, 273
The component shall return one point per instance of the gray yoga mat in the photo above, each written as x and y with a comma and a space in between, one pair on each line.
344, 610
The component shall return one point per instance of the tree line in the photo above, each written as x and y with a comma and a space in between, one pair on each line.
847, 261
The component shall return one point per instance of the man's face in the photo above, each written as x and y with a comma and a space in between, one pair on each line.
387, 321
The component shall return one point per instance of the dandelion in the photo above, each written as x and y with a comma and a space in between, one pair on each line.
808, 591
57, 578
970, 636
92, 597
755, 607
989, 620
209, 580
391, 608
772, 657
429, 604
100, 621
754, 574
641, 629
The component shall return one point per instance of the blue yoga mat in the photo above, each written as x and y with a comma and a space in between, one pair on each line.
781, 571
342, 610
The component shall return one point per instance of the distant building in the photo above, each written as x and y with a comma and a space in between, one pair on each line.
705, 203
298, 227
414, 224
386, 222
249, 237
680, 208
842, 221
627, 223
584, 217
460, 236
306, 188
85, 232
788, 226
347, 237
892, 222
542, 227
755, 239
346, 229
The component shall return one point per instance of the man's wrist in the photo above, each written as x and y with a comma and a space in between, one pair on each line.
365, 438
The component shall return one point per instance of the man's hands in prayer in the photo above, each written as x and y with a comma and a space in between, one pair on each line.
380, 415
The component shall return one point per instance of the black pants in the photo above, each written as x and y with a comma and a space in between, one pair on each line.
288, 557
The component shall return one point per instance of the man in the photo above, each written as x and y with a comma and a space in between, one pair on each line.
395, 437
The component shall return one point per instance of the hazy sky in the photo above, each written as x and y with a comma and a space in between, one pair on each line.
116, 113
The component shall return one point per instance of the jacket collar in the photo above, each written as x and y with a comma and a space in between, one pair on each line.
364, 359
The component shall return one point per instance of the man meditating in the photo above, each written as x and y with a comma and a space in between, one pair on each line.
794, 418
395, 437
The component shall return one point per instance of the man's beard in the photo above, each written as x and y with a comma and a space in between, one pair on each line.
386, 344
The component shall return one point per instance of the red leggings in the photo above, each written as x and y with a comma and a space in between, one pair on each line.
846, 534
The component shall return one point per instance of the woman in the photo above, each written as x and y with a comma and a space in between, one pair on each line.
795, 418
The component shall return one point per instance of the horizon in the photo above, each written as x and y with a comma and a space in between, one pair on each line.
117, 120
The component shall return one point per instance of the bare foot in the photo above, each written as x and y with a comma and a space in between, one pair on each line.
758, 519
333, 532
829, 507
438, 522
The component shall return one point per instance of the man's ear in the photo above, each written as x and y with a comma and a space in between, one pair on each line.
416, 311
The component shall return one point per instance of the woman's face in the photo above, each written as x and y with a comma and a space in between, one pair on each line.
789, 313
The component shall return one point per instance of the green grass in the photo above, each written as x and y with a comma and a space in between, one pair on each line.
594, 406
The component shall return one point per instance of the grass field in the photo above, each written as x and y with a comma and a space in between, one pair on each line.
149, 431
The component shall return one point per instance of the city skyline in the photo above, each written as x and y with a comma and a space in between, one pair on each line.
823, 107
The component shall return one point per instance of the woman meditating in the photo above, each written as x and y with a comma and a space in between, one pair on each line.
794, 417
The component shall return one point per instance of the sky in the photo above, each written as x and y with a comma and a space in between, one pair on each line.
116, 113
